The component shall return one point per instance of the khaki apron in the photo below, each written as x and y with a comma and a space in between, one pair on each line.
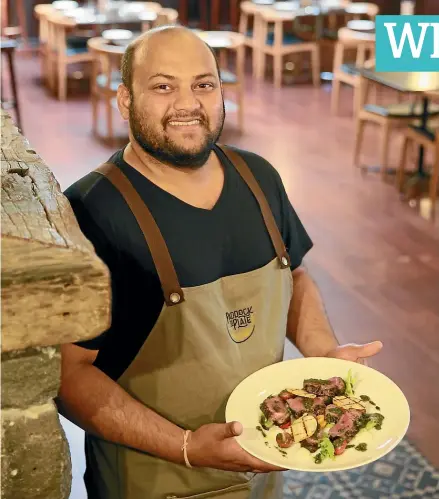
206, 340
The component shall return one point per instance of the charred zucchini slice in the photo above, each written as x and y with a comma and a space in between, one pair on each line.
304, 427
349, 403
298, 392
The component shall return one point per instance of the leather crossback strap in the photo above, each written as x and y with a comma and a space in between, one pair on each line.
267, 214
157, 246
159, 251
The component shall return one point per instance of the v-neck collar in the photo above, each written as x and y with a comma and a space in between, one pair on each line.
225, 163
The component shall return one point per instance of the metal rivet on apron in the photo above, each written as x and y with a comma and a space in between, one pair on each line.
284, 261
175, 297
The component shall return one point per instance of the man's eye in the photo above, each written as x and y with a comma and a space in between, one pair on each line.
205, 86
162, 87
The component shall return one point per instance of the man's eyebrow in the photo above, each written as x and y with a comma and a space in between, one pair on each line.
162, 75
204, 75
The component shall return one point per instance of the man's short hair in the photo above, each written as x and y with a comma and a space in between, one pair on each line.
127, 64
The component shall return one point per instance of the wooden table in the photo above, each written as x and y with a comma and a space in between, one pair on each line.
87, 17
417, 83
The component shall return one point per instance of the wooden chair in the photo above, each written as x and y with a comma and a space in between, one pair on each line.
231, 80
61, 54
364, 45
166, 17
278, 44
388, 118
429, 139
249, 22
41, 12
105, 79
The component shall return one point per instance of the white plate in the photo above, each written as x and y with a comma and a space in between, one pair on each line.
243, 406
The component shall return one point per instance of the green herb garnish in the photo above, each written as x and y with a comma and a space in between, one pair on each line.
361, 447
350, 381
327, 450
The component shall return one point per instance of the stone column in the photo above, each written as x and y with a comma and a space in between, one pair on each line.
55, 290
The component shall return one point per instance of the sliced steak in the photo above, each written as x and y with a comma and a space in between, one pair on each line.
326, 387
300, 405
275, 409
333, 413
285, 395
346, 427
318, 406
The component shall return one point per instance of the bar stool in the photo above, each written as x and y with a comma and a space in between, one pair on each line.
364, 44
8, 49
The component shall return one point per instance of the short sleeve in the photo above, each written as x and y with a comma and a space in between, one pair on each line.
296, 239
104, 249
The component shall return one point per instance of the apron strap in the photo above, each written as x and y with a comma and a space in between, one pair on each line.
238, 161
159, 251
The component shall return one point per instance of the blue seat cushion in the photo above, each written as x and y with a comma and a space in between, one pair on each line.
350, 69
228, 76
403, 110
288, 38
116, 80
76, 50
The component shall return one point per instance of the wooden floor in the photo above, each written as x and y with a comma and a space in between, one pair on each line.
375, 259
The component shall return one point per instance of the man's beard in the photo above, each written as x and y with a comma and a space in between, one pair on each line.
162, 148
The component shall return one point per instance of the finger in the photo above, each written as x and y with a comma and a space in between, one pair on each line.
370, 349
354, 352
233, 429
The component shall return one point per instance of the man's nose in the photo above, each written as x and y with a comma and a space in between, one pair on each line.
186, 101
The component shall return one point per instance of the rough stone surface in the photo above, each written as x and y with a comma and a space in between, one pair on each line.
30, 377
55, 289
35, 459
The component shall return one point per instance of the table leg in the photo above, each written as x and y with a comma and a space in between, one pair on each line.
424, 120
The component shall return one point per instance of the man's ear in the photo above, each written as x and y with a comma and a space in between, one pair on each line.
123, 101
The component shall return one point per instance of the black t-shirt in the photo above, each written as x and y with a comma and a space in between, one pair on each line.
204, 245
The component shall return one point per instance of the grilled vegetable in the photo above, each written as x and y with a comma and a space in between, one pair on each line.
349, 403
298, 392
284, 440
304, 427
321, 420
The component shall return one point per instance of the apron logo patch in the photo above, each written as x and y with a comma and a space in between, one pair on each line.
240, 324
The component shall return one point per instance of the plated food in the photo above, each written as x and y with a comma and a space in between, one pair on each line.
323, 416
318, 414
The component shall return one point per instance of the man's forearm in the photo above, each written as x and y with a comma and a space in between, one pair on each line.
96, 403
308, 325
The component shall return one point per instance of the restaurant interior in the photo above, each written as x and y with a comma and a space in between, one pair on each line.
357, 150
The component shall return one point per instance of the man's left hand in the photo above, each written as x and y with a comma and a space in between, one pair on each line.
356, 353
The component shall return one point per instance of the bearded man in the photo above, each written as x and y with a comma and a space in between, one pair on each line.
205, 253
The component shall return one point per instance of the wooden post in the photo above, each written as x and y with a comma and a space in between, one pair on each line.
55, 290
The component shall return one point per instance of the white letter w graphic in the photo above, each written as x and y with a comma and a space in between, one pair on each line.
406, 33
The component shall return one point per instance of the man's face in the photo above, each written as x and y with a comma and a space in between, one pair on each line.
177, 110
